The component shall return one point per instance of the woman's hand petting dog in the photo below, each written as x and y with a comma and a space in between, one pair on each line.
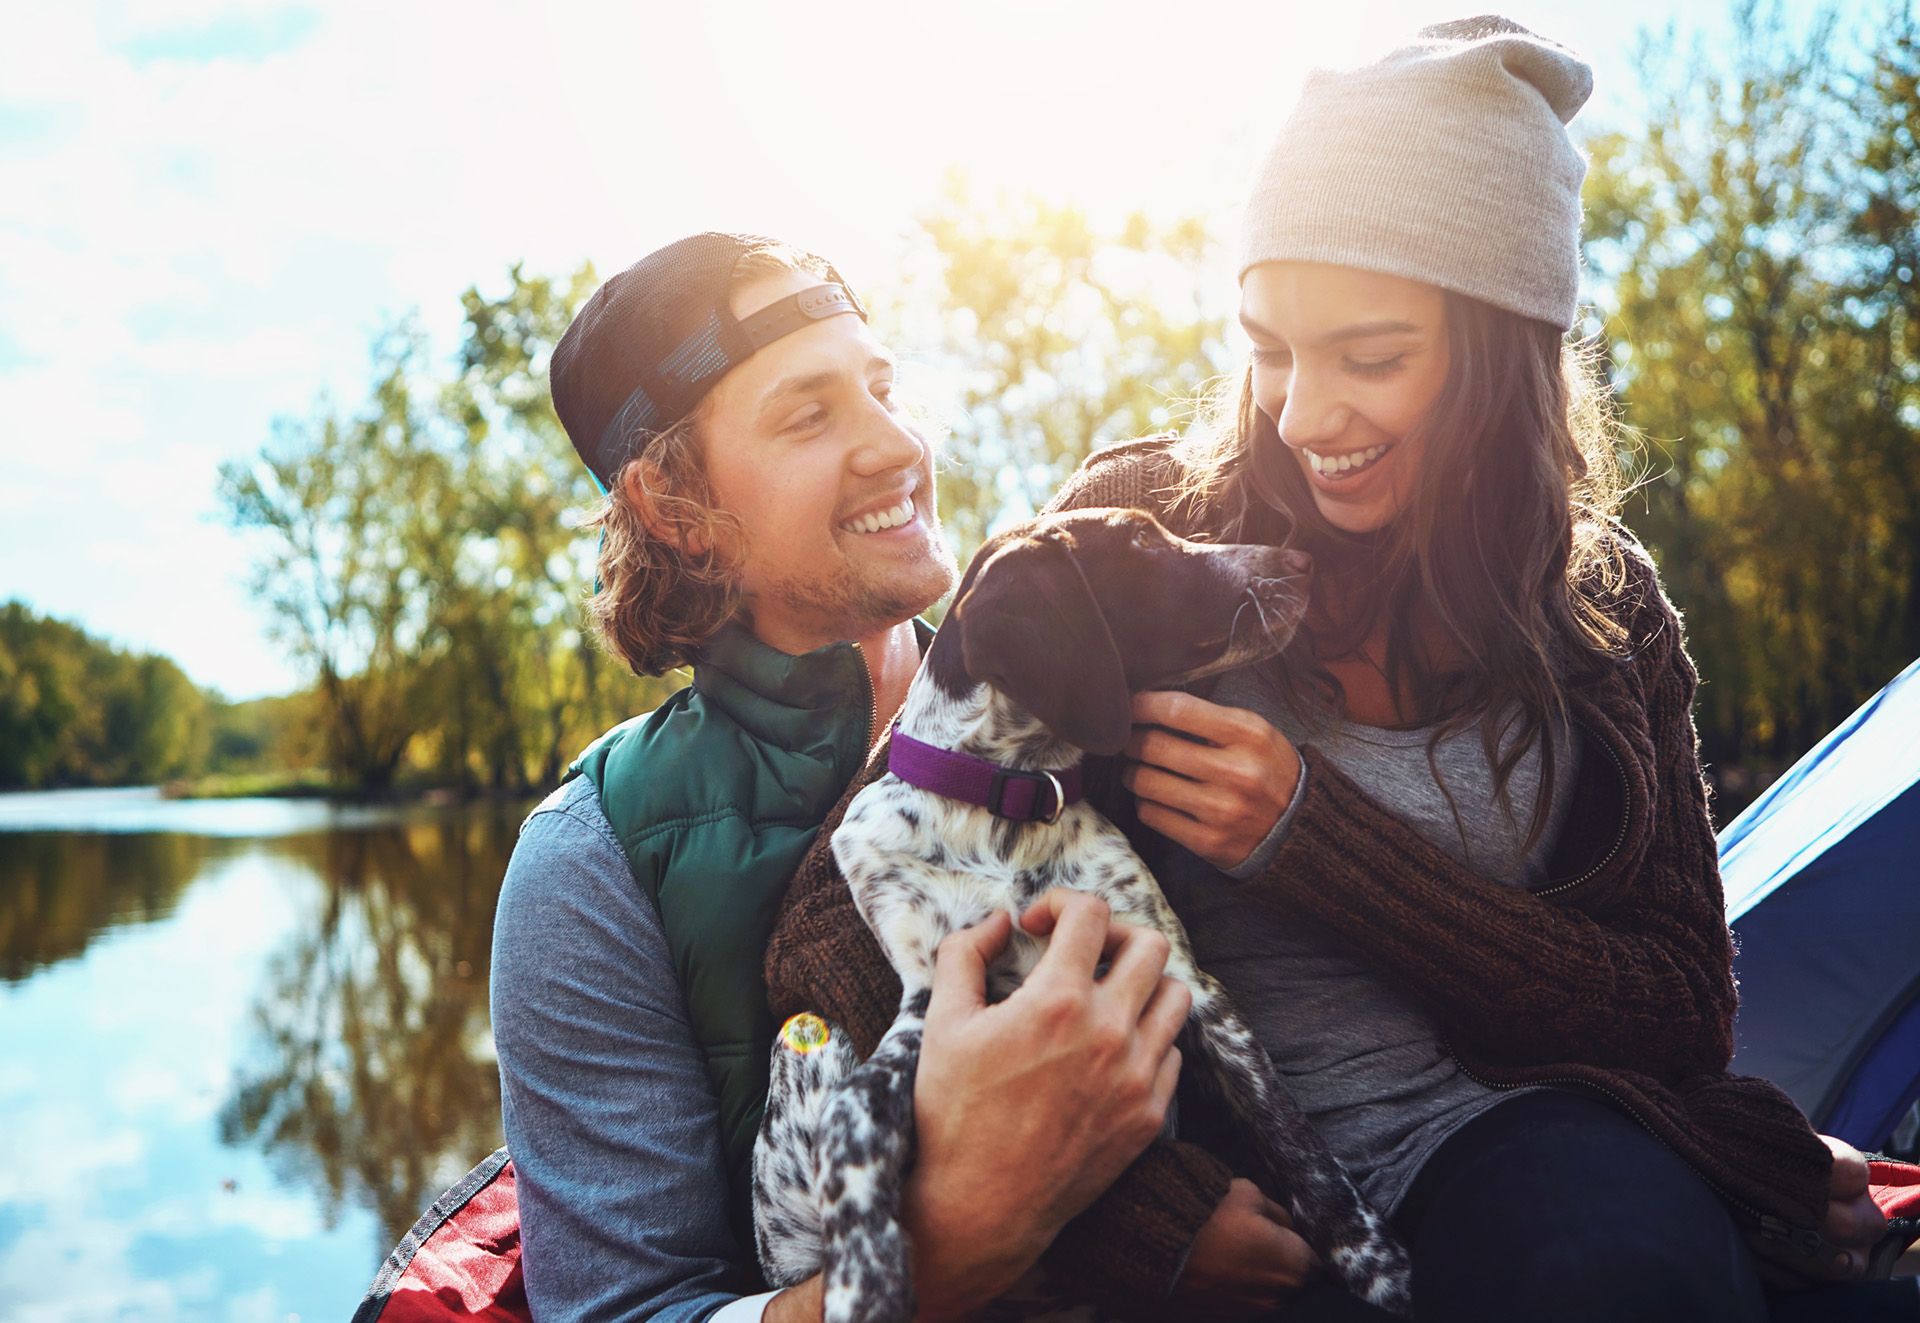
1215, 779
1069, 1079
1246, 1261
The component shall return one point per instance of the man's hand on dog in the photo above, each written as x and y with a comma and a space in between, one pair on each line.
1216, 779
1246, 1261
1027, 1110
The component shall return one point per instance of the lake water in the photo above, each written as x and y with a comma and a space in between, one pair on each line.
242, 1045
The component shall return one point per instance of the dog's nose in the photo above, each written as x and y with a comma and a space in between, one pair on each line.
1297, 562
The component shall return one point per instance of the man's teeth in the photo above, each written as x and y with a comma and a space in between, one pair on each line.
879, 519
1347, 463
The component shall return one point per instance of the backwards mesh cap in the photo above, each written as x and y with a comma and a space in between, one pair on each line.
653, 340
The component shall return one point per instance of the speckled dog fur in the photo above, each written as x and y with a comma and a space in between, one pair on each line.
837, 1138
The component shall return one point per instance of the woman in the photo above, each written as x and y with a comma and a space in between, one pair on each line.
1452, 855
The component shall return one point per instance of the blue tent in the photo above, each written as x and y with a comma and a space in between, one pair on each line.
1822, 877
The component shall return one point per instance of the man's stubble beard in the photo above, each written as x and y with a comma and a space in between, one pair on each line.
850, 604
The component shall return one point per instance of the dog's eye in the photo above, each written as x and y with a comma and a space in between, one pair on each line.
1143, 537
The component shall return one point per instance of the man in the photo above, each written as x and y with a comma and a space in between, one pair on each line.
770, 520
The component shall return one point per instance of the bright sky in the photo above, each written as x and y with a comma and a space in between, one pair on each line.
208, 206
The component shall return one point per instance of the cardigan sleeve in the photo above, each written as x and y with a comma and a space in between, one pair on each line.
1630, 968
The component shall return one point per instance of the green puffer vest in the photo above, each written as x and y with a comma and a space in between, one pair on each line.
715, 796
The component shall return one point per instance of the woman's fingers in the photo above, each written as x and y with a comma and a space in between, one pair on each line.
1219, 798
1196, 799
1274, 1212
1206, 841
1245, 1261
1850, 1175
1196, 716
1162, 748
1854, 1224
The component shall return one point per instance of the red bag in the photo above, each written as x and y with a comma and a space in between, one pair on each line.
460, 1260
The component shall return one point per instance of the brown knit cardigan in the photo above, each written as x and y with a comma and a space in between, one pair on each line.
1616, 977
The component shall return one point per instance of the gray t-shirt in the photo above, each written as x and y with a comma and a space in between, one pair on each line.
1367, 1064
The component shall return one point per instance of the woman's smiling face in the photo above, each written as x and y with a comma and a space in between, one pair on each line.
1347, 363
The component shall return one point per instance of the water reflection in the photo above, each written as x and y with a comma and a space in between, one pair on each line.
377, 1082
58, 890
235, 1068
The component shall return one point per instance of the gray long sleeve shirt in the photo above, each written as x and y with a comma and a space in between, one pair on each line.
614, 1130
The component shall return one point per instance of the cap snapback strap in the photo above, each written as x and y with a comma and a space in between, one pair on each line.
704, 356
788, 315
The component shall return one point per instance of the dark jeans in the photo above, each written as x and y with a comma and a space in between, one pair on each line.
1551, 1206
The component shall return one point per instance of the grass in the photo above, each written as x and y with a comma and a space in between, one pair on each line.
308, 784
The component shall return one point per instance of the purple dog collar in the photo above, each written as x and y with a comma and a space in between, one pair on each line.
1002, 791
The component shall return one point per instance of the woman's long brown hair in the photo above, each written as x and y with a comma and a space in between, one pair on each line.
1499, 553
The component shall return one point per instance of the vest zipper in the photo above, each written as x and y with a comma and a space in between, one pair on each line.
1804, 1239
1619, 838
873, 704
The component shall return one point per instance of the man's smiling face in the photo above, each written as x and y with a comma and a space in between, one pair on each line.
805, 446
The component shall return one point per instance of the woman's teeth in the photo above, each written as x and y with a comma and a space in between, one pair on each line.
1334, 465
879, 519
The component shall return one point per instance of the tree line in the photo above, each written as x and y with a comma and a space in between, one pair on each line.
75, 710
1751, 250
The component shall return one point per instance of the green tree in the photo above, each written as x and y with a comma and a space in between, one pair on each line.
1753, 252
350, 512
1064, 337
533, 686
423, 559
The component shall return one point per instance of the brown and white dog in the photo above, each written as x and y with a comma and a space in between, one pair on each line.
1055, 626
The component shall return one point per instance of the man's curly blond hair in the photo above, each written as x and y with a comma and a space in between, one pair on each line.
669, 557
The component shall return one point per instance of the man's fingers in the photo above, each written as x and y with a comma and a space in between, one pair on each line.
1136, 958
1079, 926
1043, 916
1166, 1079
1166, 1011
960, 964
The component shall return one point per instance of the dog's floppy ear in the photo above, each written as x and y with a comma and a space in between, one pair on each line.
1030, 627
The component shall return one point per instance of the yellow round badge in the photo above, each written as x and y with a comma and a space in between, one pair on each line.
805, 1033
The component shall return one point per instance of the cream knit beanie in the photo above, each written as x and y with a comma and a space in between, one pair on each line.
1446, 162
